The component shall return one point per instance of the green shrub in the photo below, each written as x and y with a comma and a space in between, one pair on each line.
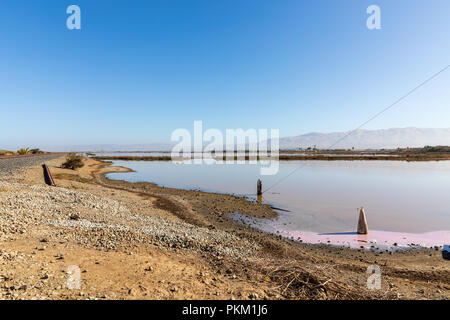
36, 151
23, 151
73, 161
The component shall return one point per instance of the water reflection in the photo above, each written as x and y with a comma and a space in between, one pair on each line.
323, 196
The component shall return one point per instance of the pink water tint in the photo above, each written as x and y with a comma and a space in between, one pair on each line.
379, 240
375, 240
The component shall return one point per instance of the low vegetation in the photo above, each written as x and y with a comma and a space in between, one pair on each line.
428, 153
72, 177
36, 151
73, 161
23, 151
436, 149
6, 153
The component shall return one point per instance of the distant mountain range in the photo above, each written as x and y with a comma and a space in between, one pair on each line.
359, 139
370, 139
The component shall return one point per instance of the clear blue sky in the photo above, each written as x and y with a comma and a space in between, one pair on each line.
137, 70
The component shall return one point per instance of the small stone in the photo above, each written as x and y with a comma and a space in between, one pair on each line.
75, 216
253, 296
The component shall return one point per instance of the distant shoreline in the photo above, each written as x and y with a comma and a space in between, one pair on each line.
416, 154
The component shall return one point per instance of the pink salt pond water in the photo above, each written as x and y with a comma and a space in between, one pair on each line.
406, 203
375, 240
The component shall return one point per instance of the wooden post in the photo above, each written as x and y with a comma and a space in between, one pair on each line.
259, 187
48, 176
362, 222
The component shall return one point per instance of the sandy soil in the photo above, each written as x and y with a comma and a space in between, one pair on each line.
197, 253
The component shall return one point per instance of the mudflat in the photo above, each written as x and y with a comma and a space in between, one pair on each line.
142, 241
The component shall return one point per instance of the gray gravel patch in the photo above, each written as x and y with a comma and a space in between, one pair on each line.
105, 223
10, 166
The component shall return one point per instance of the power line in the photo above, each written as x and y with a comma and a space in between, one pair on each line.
366, 122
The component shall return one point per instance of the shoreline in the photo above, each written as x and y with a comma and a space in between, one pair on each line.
439, 153
178, 244
281, 158
378, 240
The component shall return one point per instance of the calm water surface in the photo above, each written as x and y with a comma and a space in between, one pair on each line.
324, 196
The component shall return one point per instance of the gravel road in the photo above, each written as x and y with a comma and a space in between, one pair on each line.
10, 165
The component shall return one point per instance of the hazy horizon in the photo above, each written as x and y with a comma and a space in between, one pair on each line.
361, 139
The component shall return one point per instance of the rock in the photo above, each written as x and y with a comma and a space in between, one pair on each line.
75, 216
253, 296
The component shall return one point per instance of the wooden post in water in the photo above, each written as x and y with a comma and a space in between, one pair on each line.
362, 222
259, 188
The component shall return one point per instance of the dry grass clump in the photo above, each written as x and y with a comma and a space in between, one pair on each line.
73, 162
72, 177
6, 153
298, 282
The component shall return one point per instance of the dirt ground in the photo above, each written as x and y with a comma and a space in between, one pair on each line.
34, 262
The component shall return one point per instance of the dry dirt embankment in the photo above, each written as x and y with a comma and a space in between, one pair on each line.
140, 241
